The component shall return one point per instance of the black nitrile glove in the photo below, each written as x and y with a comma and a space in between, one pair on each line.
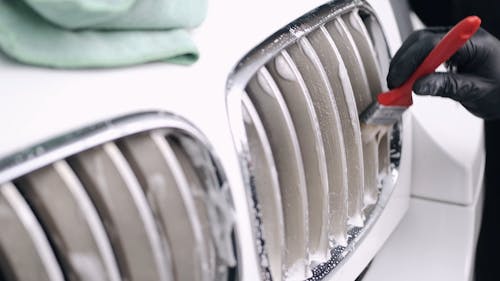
476, 82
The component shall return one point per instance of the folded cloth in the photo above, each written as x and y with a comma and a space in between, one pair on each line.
99, 33
121, 14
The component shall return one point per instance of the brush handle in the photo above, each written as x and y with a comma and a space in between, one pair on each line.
447, 47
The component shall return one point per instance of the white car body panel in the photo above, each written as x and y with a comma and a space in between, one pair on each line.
456, 146
435, 241
38, 104
231, 29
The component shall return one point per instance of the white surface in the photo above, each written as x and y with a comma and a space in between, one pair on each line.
38, 104
41, 103
448, 151
435, 242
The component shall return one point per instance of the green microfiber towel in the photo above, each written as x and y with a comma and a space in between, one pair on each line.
99, 33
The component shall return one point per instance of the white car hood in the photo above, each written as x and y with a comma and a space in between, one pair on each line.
38, 103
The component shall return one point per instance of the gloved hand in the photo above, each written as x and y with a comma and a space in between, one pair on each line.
475, 83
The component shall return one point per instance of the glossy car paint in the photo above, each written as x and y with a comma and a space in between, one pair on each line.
38, 104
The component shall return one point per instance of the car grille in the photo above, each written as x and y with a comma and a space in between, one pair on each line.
314, 171
135, 198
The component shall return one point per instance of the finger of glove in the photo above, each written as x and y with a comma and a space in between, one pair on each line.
459, 87
475, 52
412, 53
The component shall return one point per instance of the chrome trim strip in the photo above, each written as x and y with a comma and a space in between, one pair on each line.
267, 188
48, 152
252, 61
34, 230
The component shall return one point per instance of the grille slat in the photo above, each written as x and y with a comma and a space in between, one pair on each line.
202, 168
356, 71
371, 162
333, 140
371, 146
123, 206
348, 47
337, 74
306, 124
171, 199
199, 196
352, 59
366, 50
379, 44
71, 222
286, 151
22, 241
384, 155
268, 189
373, 50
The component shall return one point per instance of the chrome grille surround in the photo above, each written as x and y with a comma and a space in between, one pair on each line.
69, 155
248, 70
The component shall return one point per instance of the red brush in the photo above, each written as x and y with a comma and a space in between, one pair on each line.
392, 104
